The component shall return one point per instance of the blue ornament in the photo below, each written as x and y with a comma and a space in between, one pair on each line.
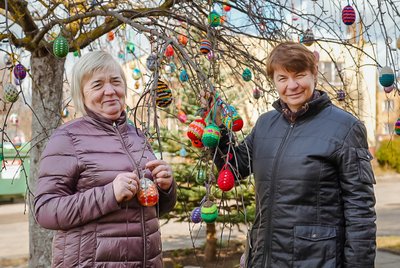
183, 152
246, 75
183, 76
386, 76
196, 215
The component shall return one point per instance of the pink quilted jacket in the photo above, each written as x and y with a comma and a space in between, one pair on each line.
74, 195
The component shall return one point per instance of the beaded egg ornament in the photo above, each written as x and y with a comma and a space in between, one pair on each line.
225, 180
60, 47
196, 129
195, 216
214, 19
183, 76
10, 93
246, 75
147, 192
19, 71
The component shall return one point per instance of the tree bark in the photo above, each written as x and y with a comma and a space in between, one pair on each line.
47, 84
210, 251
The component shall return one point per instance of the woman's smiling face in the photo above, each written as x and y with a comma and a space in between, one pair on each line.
104, 93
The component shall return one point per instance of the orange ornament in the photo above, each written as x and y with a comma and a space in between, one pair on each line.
110, 36
182, 39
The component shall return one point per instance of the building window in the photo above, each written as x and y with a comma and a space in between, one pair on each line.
330, 71
388, 105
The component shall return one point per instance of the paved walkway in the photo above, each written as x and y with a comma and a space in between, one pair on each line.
14, 236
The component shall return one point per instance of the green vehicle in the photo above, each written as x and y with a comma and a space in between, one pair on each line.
14, 170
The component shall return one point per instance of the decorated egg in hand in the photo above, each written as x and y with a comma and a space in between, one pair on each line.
147, 193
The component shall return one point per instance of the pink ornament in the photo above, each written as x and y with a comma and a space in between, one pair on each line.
182, 116
388, 89
210, 55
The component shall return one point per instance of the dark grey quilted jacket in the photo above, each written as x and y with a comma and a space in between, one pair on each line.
314, 189
75, 196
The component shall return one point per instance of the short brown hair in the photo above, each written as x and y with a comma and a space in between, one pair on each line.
293, 57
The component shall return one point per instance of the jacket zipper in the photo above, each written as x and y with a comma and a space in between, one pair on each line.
141, 209
267, 254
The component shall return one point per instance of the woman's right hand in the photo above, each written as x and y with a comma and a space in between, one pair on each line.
125, 186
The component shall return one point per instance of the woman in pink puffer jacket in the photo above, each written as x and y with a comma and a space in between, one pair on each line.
89, 176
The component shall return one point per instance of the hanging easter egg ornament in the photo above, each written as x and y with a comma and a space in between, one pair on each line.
183, 76
348, 15
211, 55
60, 47
201, 177
226, 180
388, 89
195, 216
397, 127
398, 43
183, 152
196, 129
182, 39
341, 95
246, 75
308, 38
130, 47
147, 192
209, 212
169, 51
227, 8
205, 46
182, 117
211, 136
231, 119
10, 93
136, 74
256, 93
151, 62
386, 76
214, 19
64, 113
163, 94
110, 36
19, 71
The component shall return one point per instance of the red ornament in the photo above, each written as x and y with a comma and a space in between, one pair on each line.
226, 180
169, 51
227, 8
197, 143
348, 15
196, 129
148, 193
237, 124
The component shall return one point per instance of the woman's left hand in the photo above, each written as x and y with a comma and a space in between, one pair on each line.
162, 173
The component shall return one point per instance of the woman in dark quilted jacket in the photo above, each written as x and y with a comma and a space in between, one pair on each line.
99, 179
313, 177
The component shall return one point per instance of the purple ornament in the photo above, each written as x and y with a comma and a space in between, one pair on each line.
210, 55
19, 71
196, 215
341, 95
388, 89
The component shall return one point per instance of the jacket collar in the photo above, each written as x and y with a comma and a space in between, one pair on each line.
97, 119
314, 106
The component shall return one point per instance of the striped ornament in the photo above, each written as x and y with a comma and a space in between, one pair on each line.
196, 129
196, 215
209, 212
386, 76
348, 15
163, 94
211, 136
205, 46
397, 127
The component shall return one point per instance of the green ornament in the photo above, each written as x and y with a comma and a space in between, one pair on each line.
214, 19
211, 136
209, 212
76, 53
130, 47
10, 93
60, 47
246, 75
201, 177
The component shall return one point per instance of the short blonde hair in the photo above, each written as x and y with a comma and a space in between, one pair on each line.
84, 69
293, 57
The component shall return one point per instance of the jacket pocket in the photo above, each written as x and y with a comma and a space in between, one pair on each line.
365, 172
314, 246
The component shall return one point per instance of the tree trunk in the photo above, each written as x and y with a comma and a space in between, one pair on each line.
47, 84
210, 251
